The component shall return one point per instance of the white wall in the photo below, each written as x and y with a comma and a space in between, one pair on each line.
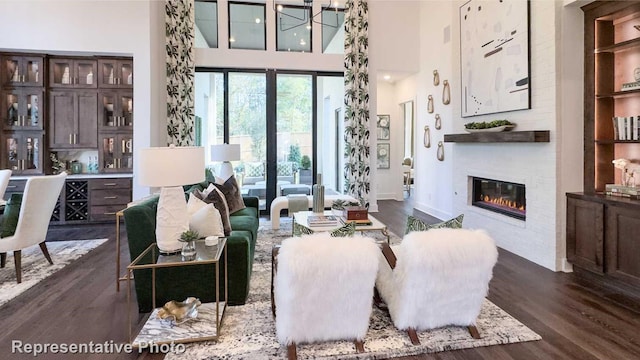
131, 28
389, 180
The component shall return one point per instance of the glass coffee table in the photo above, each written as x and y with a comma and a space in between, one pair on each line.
302, 217
206, 326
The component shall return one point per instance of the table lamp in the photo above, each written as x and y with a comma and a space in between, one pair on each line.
225, 153
169, 168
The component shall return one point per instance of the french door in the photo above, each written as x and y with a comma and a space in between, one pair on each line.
284, 121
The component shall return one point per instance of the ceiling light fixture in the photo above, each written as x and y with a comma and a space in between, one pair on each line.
258, 20
232, 39
387, 77
308, 18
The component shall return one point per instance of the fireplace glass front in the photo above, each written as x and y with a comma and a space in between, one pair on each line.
500, 196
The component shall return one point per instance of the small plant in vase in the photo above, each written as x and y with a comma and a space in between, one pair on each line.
189, 239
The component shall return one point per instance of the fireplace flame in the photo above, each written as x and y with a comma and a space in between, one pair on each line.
503, 202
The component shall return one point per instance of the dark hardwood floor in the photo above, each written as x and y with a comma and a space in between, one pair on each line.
80, 304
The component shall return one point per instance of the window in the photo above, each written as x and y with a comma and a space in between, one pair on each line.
206, 14
293, 29
333, 31
246, 26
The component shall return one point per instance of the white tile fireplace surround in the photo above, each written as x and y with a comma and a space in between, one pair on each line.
532, 165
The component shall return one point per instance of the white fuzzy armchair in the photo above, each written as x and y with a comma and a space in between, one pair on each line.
323, 289
436, 278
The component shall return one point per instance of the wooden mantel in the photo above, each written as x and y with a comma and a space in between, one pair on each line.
497, 137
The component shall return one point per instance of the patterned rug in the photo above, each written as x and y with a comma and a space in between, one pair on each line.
248, 332
36, 268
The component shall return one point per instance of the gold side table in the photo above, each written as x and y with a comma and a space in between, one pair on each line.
164, 332
119, 277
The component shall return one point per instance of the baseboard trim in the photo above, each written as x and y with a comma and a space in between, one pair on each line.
431, 211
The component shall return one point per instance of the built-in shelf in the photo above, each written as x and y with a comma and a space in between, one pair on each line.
618, 47
619, 94
496, 137
609, 142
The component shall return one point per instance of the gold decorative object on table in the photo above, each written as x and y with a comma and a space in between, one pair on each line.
180, 311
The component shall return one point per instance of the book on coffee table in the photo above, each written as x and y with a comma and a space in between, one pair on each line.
359, 222
322, 220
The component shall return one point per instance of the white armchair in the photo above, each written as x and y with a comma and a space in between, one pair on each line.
5, 175
40, 196
437, 278
323, 289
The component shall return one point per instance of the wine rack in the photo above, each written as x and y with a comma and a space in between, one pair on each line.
77, 200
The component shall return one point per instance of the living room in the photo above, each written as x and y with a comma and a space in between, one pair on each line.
408, 40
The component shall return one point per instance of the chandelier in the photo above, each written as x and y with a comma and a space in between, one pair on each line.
308, 17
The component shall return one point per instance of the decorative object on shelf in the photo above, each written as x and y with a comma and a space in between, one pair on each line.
90, 77
430, 105
491, 126
383, 152
170, 168
489, 58
427, 136
16, 75
34, 111
12, 114
66, 78
111, 78
76, 167
446, 93
57, 165
130, 79
438, 125
179, 312
384, 132
436, 78
225, 153
188, 238
440, 152
628, 170
318, 196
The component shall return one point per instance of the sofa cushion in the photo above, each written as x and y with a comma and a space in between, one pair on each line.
248, 211
207, 222
247, 223
415, 224
216, 197
11, 215
231, 192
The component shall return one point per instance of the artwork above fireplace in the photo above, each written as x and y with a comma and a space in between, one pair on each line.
503, 197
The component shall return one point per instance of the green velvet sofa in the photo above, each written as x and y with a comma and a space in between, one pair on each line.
178, 283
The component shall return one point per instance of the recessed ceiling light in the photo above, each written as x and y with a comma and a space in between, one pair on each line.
258, 20
302, 42
232, 39
387, 77
309, 26
279, 7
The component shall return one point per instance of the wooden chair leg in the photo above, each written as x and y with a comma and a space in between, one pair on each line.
359, 346
17, 256
3, 260
473, 330
292, 354
413, 336
45, 251
377, 299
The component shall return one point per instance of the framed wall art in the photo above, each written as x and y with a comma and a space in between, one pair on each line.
494, 56
384, 123
383, 155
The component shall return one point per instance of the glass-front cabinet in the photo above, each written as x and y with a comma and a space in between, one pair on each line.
73, 73
22, 108
23, 152
115, 110
116, 153
18, 70
115, 73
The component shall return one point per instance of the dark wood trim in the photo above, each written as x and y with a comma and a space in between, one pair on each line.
496, 137
292, 353
359, 346
413, 336
473, 330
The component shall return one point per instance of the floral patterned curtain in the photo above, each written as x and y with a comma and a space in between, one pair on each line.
180, 34
356, 100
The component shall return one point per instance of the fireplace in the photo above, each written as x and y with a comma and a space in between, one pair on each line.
500, 196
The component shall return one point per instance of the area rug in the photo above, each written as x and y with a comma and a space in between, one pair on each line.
36, 268
248, 332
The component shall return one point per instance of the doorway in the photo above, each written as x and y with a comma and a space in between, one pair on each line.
408, 158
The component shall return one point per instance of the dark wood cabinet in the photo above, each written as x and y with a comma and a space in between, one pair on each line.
115, 73
73, 72
21, 70
22, 152
585, 234
116, 152
108, 196
22, 108
623, 244
115, 111
73, 120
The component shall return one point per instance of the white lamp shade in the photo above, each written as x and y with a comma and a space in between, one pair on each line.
225, 152
171, 166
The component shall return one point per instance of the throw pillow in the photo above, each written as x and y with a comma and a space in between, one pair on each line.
415, 224
11, 215
194, 204
207, 221
216, 197
231, 192
343, 231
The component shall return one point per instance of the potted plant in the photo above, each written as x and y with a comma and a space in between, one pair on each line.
305, 170
189, 239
